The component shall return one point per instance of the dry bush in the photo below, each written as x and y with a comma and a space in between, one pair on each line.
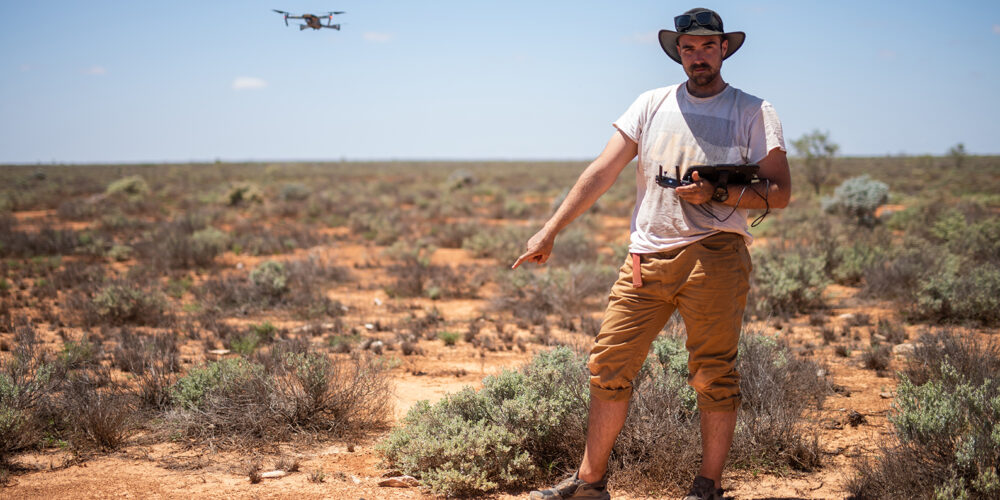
97, 412
255, 239
893, 332
415, 276
453, 235
287, 463
504, 243
777, 388
121, 301
568, 291
974, 359
78, 275
27, 383
877, 357
239, 401
153, 360
184, 243
45, 241
298, 285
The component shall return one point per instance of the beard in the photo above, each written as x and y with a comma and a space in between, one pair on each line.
701, 78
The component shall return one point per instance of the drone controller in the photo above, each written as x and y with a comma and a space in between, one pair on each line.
721, 175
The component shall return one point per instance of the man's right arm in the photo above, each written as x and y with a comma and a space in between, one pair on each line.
593, 182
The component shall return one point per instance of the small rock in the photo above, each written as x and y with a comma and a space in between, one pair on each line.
377, 346
239, 265
369, 326
355, 479
821, 373
846, 317
378, 301
350, 448
400, 482
903, 348
885, 395
274, 474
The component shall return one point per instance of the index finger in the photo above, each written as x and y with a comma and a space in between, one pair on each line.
520, 260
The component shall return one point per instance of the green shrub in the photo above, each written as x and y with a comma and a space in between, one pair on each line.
208, 243
473, 442
380, 227
294, 192
192, 390
125, 302
460, 178
28, 382
247, 343
449, 338
855, 261
77, 354
244, 194
505, 244
858, 197
959, 294
270, 277
786, 282
119, 252
132, 187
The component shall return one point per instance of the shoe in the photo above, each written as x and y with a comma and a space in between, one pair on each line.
574, 487
704, 489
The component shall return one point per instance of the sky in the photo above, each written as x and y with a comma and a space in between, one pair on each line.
143, 81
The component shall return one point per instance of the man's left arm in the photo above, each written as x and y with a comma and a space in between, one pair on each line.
775, 186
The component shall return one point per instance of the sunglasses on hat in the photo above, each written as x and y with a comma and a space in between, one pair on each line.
706, 19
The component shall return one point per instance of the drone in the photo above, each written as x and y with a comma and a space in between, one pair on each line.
312, 20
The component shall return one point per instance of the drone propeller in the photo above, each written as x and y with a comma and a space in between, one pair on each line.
335, 13
282, 12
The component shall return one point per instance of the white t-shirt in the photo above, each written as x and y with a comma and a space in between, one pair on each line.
674, 128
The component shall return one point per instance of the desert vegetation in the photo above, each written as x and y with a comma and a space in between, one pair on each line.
252, 311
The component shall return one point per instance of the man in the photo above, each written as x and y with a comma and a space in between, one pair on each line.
688, 249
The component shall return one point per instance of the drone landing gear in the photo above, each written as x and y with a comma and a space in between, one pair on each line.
302, 27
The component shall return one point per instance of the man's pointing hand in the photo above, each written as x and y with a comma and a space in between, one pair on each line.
538, 249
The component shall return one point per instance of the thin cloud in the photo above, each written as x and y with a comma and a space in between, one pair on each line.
996, 29
649, 38
248, 83
375, 37
95, 70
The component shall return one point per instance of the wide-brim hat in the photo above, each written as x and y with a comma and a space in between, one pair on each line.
668, 39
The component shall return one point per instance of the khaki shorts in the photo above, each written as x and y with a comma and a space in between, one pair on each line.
707, 282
